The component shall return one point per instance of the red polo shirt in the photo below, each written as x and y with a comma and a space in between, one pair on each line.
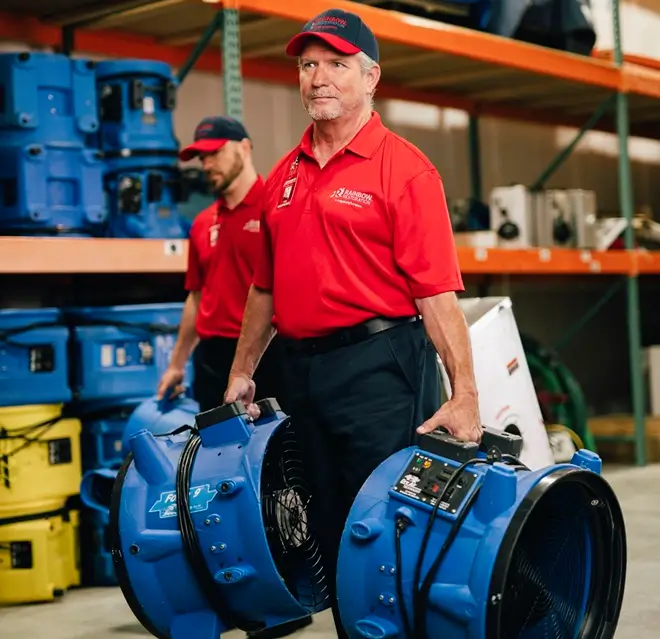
222, 255
363, 236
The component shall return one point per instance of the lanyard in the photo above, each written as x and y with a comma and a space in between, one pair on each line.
289, 184
214, 229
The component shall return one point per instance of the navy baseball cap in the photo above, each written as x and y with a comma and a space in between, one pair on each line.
343, 31
212, 134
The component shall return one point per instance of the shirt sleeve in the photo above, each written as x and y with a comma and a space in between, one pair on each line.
424, 247
263, 273
194, 272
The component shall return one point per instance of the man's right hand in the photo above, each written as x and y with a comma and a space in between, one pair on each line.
171, 378
241, 388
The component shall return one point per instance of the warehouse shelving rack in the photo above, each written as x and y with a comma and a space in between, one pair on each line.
422, 61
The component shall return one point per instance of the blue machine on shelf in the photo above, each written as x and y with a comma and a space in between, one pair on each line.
445, 540
51, 177
142, 178
120, 352
33, 357
145, 203
136, 101
194, 507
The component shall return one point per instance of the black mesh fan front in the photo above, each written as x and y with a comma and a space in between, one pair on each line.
560, 571
284, 497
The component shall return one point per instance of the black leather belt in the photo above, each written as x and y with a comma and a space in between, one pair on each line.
345, 336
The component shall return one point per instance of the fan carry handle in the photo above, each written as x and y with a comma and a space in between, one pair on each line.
168, 402
442, 443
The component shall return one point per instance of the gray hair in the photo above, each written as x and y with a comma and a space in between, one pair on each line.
366, 64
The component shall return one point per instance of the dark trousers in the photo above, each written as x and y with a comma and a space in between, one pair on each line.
352, 408
212, 360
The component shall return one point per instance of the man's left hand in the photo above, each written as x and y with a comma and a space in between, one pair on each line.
460, 416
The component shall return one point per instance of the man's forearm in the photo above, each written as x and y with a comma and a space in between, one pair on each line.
187, 338
256, 332
446, 327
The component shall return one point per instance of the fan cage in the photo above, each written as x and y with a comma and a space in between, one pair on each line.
560, 570
285, 495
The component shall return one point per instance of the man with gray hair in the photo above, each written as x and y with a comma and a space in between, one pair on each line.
358, 275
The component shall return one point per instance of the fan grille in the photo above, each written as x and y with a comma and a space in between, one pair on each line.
561, 569
549, 576
285, 495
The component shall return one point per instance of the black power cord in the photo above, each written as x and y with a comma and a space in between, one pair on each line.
191, 546
453, 479
423, 597
400, 525
417, 630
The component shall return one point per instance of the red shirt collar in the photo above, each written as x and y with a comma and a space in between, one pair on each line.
364, 144
252, 198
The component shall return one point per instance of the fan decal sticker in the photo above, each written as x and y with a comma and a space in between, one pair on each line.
200, 498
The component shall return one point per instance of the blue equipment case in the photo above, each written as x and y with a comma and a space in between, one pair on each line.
159, 417
137, 98
120, 352
47, 97
33, 357
95, 544
51, 181
103, 428
144, 203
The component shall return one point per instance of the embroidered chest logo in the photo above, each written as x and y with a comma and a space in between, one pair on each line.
214, 231
351, 197
252, 226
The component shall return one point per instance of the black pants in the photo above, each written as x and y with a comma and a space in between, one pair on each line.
212, 360
352, 408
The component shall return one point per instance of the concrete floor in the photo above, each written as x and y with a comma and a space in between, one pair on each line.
103, 614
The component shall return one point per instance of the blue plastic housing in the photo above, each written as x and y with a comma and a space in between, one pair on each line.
33, 357
120, 352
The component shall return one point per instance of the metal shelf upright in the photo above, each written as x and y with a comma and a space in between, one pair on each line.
627, 203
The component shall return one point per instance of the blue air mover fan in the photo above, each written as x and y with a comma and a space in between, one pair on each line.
209, 528
160, 417
449, 541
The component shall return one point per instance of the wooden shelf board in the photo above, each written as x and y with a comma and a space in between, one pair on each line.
34, 255
43, 255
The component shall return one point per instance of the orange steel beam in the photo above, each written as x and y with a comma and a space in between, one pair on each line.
544, 261
118, 44
646, 263
632, 58
641, 80
449, 39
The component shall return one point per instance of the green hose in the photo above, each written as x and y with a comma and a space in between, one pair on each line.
557, 378
549, 382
